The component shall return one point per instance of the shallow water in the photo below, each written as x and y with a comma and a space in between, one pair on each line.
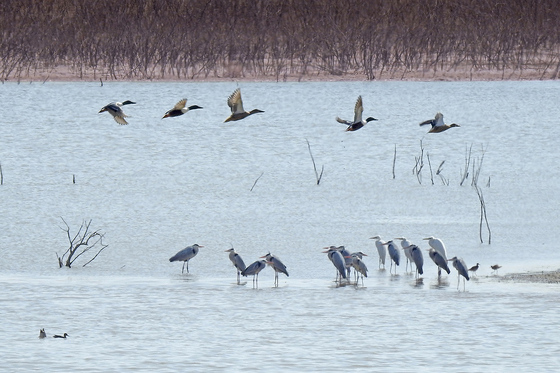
155, 186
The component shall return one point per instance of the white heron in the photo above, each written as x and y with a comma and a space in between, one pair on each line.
42, 333
381, 250
254, 269
277, 265
462, 270
114, 108
406, 248
417, 259
473, 269
179, 109
437, 124
439, 260
185, 255
358, 122
236, 105
393, 254
337, 260
237, 262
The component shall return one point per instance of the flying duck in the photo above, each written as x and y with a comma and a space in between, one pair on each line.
358, 122
114, 108
437, 124
236, 105
179, 109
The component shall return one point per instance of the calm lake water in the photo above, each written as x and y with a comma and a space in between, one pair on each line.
156, 186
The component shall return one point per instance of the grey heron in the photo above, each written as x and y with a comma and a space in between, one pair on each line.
406, 248
393, 254
337, 260
179, 109
254, 269
461, 268
237, 261
114, 108
381, 250
359, 266
236, 105
277, 265
358, 122
437, 245
439, 260
185, 255
417, 258
437, 124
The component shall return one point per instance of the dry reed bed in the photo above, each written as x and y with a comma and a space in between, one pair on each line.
279, 39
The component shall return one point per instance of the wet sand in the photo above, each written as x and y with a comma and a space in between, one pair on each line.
551, 277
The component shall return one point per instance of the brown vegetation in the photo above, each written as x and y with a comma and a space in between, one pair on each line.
279, 39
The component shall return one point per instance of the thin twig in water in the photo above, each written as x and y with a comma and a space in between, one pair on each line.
255, 183
430, 165
394, 160
317, 175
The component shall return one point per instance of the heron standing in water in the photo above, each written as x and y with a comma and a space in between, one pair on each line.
185, 255
237, 262
277, 265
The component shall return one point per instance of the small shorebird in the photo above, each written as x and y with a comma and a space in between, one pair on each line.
42, 333
61, 336
114, 108
358, 121
236, 105
473, 269
185, 255
495, 268
437, 124
179, 109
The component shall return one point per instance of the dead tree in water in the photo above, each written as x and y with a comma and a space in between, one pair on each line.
82, 242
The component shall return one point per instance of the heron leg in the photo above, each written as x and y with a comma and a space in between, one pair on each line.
183, 269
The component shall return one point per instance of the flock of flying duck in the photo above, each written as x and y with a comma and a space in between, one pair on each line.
344, 261
235, 104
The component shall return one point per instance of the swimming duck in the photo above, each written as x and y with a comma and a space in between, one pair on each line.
437, 124
179, 109
358, 122
236, 104
42, 333
60, 336
114, 108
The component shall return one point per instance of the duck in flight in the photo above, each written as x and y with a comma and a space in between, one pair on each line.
114, 108
437, 124
236, 105
179, 109
358, 122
